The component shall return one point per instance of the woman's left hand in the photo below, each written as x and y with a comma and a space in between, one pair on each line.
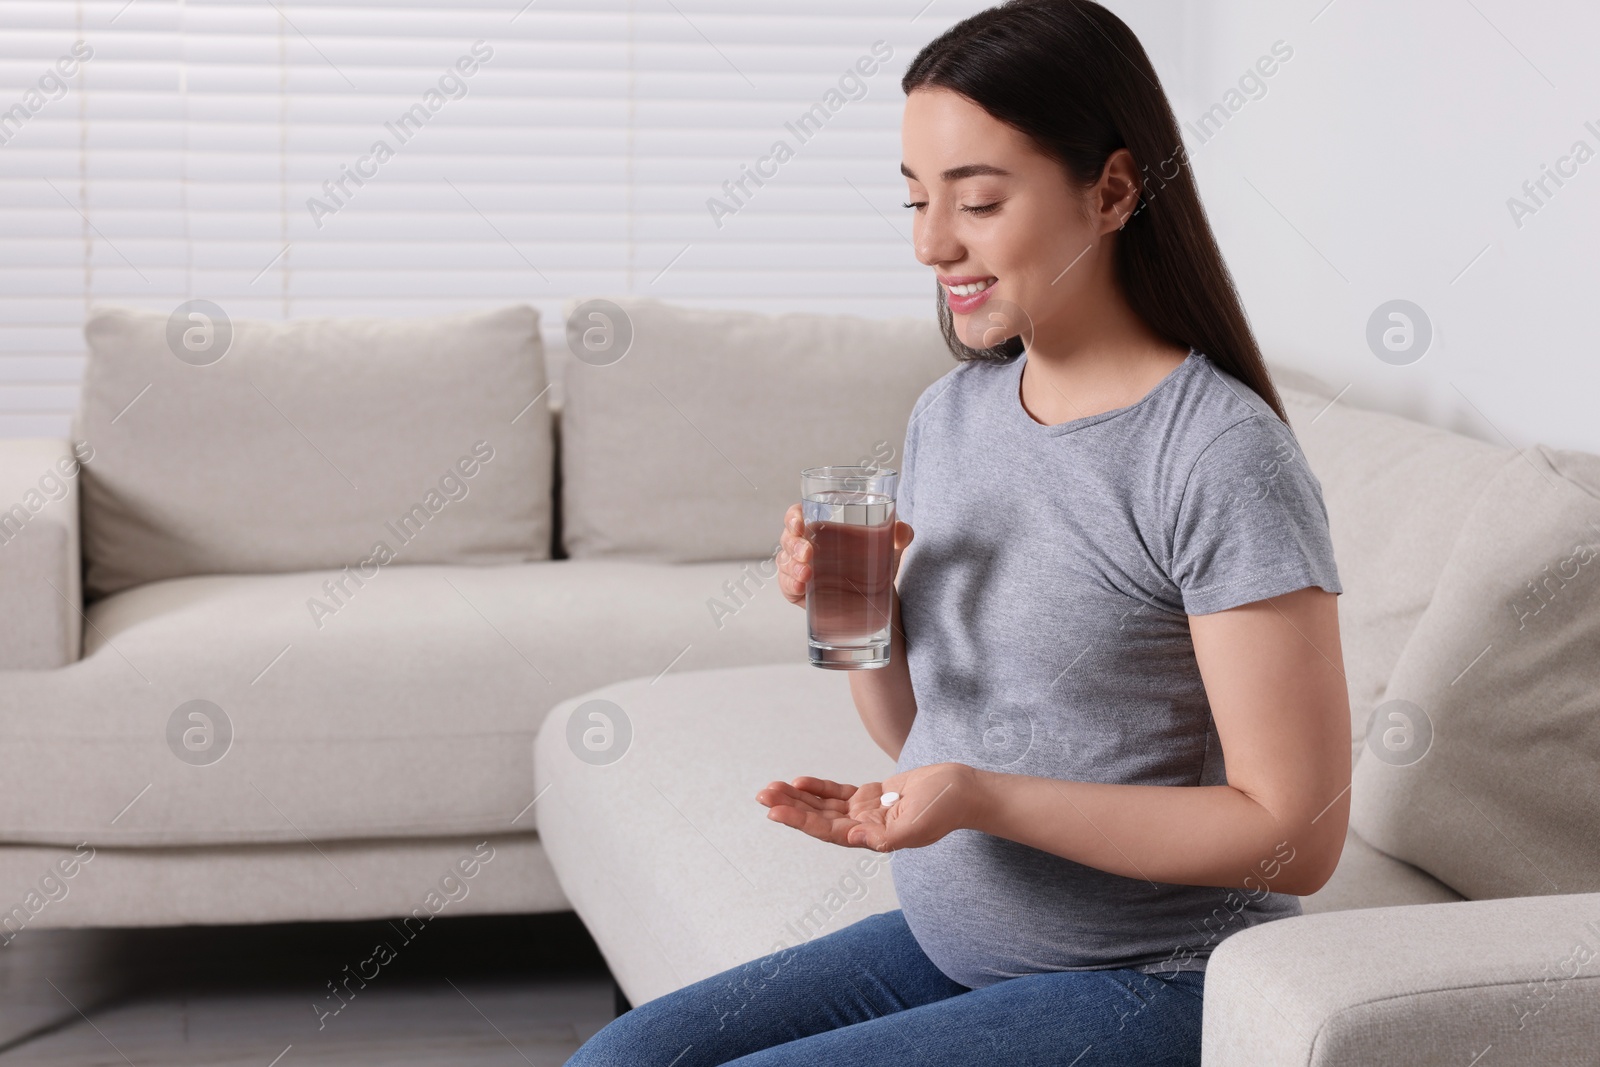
934, 800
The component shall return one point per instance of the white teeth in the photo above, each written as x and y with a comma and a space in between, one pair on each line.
968, 290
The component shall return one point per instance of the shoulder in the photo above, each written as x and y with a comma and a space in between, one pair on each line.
1220, 424
1227, 394
1256, 449
1249, 472
947, 391
1209, 401
1231, 450
1249, 520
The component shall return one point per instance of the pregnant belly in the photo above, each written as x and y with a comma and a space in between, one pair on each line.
985, 909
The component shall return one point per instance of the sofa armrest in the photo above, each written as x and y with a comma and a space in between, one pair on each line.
41, 598
1419, 984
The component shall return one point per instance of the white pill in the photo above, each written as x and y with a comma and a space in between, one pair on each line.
890, 797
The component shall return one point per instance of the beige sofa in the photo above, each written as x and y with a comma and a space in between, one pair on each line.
374, 717
617, 548
1462, 923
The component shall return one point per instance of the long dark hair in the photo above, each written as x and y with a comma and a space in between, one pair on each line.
1074, 78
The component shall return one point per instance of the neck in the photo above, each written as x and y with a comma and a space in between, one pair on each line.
1090, 363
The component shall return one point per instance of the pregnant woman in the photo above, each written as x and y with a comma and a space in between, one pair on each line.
1115, 693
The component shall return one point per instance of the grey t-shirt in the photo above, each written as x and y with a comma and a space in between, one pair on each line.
1044, 599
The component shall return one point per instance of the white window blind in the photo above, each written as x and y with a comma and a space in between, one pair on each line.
230, 151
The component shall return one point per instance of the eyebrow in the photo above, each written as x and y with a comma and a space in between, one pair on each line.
969, 170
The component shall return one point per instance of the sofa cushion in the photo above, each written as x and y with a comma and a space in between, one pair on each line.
1367, 878
665, 853
1502, 672
309, 443
1397, 492
410, 711
690, 446
283, 883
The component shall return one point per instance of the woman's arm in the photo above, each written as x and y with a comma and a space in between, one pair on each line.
1273, 672
1274, 678
883, 695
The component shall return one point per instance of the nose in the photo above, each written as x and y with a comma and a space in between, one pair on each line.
933, 238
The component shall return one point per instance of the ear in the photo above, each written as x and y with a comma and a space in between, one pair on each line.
1115, 196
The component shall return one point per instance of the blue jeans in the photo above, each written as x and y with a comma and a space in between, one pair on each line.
865, 995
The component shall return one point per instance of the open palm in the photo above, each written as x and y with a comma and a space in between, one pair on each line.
932, 802
825, 809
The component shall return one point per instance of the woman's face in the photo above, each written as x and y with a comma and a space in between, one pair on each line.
989, 207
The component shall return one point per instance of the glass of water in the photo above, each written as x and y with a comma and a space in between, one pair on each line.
849, 520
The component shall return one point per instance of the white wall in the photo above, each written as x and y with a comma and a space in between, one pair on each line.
581, 160
1377, 165
1391, 141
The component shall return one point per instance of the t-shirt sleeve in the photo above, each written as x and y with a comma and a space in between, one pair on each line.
1251, 522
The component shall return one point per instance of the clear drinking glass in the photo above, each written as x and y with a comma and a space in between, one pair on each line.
849, 517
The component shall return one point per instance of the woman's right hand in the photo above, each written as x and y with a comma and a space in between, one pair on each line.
795, 551
794, 556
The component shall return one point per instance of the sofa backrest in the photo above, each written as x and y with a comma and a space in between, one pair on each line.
1471, 629
258, 446
685, 441
1481, 766
1397, 492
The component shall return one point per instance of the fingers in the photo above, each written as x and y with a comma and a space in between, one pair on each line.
820, 808
784, 793
794, 556
833, 829
822, 787
903, 533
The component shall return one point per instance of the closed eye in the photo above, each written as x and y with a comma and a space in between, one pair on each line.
975, 209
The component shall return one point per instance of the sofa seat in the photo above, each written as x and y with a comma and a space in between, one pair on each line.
338, 880
666, 854
409, 713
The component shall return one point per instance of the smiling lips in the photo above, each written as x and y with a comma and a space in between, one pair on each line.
966, 293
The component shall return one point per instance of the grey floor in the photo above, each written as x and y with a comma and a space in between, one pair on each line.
473, 991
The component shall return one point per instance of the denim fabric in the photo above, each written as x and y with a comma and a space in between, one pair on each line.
867, 996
